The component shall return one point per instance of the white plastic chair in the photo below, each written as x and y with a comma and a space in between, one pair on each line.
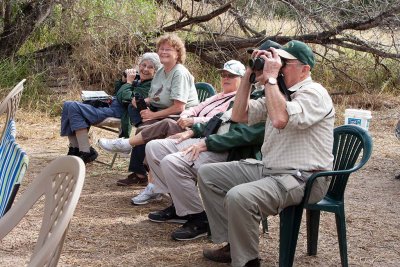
61, 183
10, 104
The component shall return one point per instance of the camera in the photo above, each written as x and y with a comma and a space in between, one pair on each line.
140, 103
137, 77
256, 63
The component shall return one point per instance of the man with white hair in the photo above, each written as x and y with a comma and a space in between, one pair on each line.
298, 141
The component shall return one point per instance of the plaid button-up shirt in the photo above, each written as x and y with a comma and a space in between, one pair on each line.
306, 141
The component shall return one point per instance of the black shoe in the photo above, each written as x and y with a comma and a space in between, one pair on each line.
88, 156
192, 229
73, 151
218, 254
253, 263
167, 215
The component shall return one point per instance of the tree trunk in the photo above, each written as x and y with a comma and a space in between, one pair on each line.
17, 31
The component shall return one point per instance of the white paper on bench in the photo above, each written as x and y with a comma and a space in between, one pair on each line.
93, 95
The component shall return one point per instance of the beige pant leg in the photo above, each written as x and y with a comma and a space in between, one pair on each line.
181, 178
174, 174
237, 196
156, 150
215, 180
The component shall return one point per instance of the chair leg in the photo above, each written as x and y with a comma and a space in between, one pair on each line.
113, 160
290, 219
264, 225
313, 217
341, 230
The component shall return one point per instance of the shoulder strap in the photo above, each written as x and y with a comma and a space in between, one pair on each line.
283, 88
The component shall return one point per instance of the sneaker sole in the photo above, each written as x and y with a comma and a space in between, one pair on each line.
169, 221
113, 151
191, 238
124, 155
128, 153
145, 202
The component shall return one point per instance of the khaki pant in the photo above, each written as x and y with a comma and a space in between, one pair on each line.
237, 195
173, 173
159, 129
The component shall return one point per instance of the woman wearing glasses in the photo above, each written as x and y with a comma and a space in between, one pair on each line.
172, 91
77, 117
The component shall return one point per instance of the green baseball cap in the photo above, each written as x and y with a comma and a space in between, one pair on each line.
265, 46
297, 50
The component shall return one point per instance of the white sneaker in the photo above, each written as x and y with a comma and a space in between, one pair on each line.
115, 145
146, 196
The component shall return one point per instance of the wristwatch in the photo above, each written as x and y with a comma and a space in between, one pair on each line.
272, 81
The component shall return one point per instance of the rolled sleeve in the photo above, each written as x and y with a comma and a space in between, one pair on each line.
309, 106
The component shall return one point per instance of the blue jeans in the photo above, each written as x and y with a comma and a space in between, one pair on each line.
134, 115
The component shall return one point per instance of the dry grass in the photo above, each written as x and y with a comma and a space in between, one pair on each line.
108, 231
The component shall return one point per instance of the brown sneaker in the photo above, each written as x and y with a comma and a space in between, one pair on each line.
218, 254
133, 179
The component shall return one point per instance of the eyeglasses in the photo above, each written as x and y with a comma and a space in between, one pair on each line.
228, 75
168, 50
144, 65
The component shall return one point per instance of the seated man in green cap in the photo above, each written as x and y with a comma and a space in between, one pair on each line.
298, 141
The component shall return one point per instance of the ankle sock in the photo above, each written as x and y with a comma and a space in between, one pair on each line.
83, 140
73, 142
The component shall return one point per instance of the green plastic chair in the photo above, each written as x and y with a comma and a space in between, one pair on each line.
349, 142
204, 90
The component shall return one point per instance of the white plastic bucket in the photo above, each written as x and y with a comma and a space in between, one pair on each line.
358, 117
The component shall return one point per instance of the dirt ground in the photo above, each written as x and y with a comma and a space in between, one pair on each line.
108, 231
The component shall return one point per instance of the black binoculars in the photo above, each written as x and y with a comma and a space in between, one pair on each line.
256, 63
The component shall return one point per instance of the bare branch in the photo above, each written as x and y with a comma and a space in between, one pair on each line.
243, 25
198, 19
344, 73
306, 12
177, 8
364, 48
371, 23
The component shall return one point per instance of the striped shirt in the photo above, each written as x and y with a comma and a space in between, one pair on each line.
213, 105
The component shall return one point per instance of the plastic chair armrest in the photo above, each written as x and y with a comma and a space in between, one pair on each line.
313, 178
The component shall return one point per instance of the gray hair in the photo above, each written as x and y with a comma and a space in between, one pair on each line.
153, 57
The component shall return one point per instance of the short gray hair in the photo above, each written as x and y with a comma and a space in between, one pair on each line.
153, 57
